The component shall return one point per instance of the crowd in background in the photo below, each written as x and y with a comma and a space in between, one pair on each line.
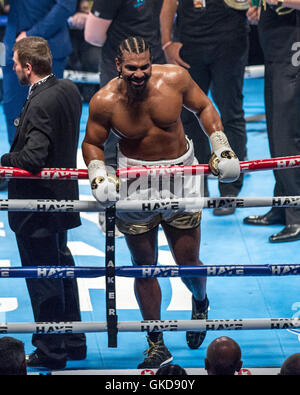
86, 57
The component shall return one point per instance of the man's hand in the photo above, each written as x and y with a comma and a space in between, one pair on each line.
104, 186
223, 162
253, 14
78, 20
172, 55
20, 36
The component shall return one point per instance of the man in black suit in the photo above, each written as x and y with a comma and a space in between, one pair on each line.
279, 33
47, 136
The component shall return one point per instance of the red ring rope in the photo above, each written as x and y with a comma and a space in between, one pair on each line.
82, 174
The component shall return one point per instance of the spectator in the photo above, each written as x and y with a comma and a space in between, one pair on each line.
212, 43
4, 10
47, 136
85, 57
279, 31
107, 25
171, 370
291, 366
223, 357
12, 357
44, 18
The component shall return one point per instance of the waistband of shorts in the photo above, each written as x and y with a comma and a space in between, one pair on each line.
188, 156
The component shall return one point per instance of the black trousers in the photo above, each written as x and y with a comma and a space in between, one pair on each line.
85, 57
52, 300
219, 67
282, 105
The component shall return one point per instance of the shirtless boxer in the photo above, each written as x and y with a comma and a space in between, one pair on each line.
143, 107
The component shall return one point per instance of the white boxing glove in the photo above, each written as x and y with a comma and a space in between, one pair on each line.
105, 187
223, 163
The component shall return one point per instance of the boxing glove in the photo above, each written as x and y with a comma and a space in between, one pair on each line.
105, 187
223, 163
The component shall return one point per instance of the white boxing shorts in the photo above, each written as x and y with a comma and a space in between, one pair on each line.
174, 186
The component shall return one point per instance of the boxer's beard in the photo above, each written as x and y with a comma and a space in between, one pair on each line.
137, 92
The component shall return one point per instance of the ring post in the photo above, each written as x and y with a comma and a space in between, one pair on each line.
111, 312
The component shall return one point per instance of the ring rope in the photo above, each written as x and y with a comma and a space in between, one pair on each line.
127, 205
151, 325
150, 271
145, 326
279, 163
112, 326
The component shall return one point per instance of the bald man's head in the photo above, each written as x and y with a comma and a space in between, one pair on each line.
291, 366
223, 357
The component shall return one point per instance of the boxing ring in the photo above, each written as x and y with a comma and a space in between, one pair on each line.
112, 326
260, 309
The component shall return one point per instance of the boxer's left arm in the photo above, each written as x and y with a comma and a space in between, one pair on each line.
223, 163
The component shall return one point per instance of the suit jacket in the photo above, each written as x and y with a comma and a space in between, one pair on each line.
47, 136
43, 18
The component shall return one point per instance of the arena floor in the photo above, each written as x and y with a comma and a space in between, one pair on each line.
225, 240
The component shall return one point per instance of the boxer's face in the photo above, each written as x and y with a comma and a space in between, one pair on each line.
135, 69
23, 73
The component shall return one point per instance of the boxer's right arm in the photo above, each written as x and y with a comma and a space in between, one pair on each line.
97, 129
104, 186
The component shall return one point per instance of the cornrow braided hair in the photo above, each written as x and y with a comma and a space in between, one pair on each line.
135, 45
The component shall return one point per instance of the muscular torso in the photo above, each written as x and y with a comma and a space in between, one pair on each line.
151, 129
